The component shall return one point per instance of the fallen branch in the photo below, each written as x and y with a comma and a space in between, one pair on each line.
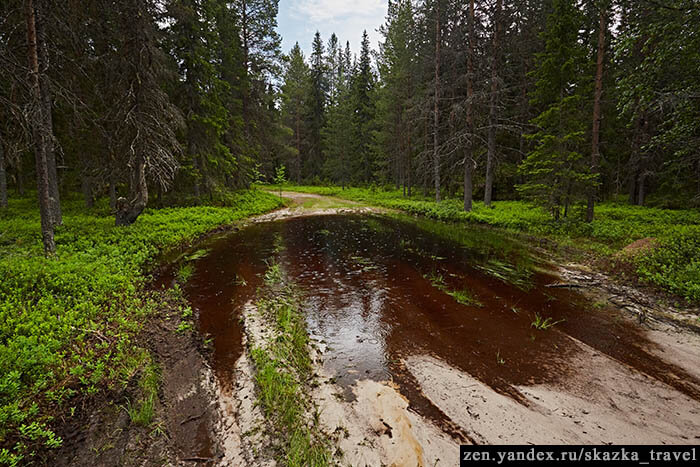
198, 459
561, 285
193, 418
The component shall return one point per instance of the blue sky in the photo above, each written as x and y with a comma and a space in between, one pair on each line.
298, 21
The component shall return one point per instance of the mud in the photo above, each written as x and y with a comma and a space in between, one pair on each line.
101, 432
425, 336
378, 320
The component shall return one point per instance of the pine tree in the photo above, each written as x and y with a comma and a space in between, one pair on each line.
257, 23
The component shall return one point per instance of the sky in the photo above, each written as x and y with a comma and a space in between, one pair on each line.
298, 21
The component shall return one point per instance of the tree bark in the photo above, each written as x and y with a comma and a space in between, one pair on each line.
640, 188
493, 106
112, 194
436, 114
86, 188
20, 177
41, 129
408, 164
129, 211
595, 150
469, 150
3, 178
198, 175
46, 104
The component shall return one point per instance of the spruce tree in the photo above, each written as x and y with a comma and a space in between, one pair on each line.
364, 113
294, 103
318, 94
557, 174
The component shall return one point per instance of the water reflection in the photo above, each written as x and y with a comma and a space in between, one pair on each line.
372, 299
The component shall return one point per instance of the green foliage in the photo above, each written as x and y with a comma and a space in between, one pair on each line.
542, 324
141, 413
555, 169
283, 367
69, 321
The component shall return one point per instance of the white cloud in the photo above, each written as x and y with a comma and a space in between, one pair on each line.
334, 10
300, 19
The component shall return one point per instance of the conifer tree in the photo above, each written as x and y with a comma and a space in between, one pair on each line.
294, 103
556, 172
318, 95
364, 113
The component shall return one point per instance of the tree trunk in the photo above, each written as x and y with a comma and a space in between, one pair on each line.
198, 173
246, 66
298, 158
493, 106
3, 178
129, 211
46, 104
408, 164
20, 177
86, 188
436, 114
112, 194
41, 130
595, 150
469, 150
640, 189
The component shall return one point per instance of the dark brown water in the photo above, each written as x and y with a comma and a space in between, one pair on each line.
369, 301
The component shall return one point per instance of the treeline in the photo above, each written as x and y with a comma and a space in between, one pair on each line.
134, 98
563, 102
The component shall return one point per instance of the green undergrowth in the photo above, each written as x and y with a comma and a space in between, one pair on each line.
463, 296
142, 410
283, 373
68, 322
674, 264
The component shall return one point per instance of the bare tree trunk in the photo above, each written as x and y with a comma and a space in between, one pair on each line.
640, 188
408, 163
436, 113
46, 103
595, 150
112, 194
197, 190
41, 130
246, 64
469, 150
298, 158
129, 211
86, 188
3, 178
493, 106
20, 177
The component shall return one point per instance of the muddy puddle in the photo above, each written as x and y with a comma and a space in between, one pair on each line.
382, 290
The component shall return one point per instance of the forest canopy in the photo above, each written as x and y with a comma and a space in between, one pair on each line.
561, 102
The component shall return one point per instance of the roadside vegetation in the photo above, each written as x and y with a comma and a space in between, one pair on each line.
671, 261
283, 373
68, 322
